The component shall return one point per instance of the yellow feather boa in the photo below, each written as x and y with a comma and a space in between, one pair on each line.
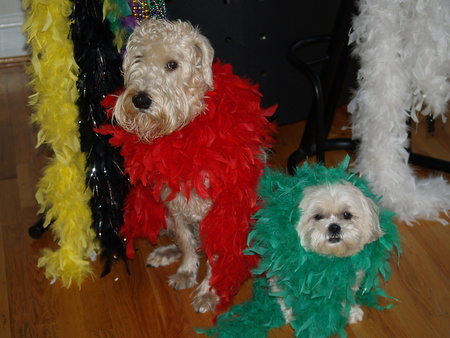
61, 193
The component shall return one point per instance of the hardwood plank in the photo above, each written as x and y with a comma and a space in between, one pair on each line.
70, 304
436, 244
9, 202
5, 318
133, 305
4, 96
417, 283
48, 331
96, 316
7, 162
142, 304
18, 282
45, 303
23, 132
26, 184
374, 319
435, 143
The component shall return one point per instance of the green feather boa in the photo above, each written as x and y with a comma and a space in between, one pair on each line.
313, 285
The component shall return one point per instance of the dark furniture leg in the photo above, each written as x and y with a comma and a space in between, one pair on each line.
327, 88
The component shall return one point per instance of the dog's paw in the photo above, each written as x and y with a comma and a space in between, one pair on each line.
204, 302
356, 315
183, 280
163, 256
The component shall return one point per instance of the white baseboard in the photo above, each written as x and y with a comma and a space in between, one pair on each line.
12, 41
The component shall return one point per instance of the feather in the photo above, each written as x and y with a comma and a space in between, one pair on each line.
303, 277
100, 74
118, 13
61, 192
250, 319
216, 145
404, 51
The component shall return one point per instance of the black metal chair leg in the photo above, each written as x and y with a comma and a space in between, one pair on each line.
327, 88
37, 229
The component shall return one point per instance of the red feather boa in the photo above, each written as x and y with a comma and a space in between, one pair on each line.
224, 144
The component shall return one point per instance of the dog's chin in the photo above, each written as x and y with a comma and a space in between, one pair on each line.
152, 123
332, 245
336, 248
145, 134
146, 124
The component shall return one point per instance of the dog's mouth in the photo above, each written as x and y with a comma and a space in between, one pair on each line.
334, 239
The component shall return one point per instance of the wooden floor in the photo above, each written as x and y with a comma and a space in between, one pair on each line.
141, 304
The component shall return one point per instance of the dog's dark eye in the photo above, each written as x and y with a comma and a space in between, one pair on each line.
172, 65
318, 217
137, 59
347, 215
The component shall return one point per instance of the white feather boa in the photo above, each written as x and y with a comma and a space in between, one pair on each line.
404, 51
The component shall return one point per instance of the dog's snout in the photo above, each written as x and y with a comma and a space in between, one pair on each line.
142, 101
334, 228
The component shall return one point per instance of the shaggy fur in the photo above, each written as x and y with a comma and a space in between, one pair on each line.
194, 156
164, 61
337, 220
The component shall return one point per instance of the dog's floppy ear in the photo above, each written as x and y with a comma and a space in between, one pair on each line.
205, 55
377, 232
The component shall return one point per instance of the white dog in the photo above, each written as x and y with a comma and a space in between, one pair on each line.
196, 136
324, 245
337, 220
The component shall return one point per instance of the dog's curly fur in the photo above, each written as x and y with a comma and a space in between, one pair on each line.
194, 156
164, 60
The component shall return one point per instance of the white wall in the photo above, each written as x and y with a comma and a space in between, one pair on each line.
12, 41
10, 6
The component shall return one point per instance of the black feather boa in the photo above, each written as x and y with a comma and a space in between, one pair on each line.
100, 74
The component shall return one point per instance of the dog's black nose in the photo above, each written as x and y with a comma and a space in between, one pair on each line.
334, 228
142, 101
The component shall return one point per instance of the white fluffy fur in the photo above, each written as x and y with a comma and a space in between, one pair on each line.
342, 205
404, 51
178, 94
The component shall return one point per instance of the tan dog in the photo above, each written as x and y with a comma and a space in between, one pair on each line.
194, 155
164, 60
